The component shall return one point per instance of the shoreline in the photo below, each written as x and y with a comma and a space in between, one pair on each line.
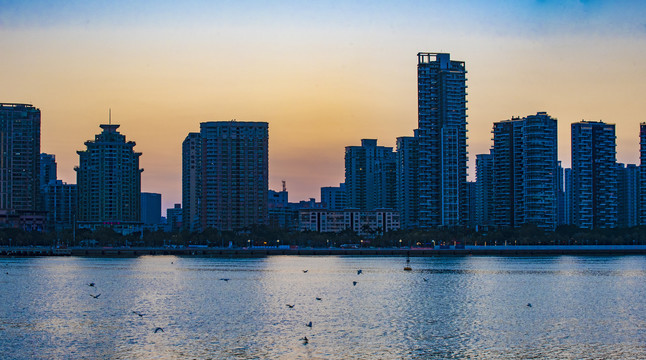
545, 250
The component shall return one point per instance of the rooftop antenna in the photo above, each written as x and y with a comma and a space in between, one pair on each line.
109, 116
284, 185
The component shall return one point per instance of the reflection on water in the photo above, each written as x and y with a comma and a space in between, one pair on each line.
469, 307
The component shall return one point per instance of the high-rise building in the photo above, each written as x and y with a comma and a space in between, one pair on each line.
47, 168
59, 200
225, 175
19, 165
407, 184
568, 195
333, 197
370, 176
562, 213
108, 180
442, 129
484, 207
525, 169
192, 183
642, 173
627, 195
471, 204
594, 175
151, 208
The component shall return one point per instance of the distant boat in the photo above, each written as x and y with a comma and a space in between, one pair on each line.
407, 267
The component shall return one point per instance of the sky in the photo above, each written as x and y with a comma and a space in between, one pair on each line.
323, 74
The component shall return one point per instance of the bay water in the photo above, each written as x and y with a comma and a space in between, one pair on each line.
472, 307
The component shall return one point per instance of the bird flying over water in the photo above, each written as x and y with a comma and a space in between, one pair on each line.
305, 271
290, 306
90, 284
529, 305
354, 283
158, 329
425, 279
319, 299
225, 279
95, 296
138, 313
359, 272
309, 324
304, 340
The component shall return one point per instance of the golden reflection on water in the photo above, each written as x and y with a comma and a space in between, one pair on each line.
468, 307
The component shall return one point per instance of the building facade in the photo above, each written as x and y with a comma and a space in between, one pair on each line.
151, 204
442, 130
59, 199
47, 168
370, 176
627, 195
174, 218
484, 205
225, 175
363, 223
333, 197
407, 184
525, 172
108, 182
20, 167
642, 174
594, 175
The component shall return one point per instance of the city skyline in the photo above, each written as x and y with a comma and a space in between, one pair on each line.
323, 76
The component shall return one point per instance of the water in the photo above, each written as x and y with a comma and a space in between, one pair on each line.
469, 308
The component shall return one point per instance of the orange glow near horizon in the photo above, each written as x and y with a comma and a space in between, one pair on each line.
323, 78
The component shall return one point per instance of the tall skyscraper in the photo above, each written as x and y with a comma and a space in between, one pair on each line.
109, 183
594, 175
484, 207
370, 176
442, 130
192, 213
19, 163
408, 181
225, 175
525, 169
642, 173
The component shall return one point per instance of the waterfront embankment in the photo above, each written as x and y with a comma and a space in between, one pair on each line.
546, 250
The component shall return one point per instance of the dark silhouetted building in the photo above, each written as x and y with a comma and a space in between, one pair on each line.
627, 195
442, 129
109, 183
594, 175
225, 175
151, 209
370, 176
20, 196
525, 172
407, 184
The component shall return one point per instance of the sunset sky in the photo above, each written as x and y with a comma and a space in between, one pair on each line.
323, 74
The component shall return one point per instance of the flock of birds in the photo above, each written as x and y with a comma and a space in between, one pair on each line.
304, 339
93, 285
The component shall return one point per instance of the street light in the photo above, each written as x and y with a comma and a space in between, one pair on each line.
277, 243
249, 243
400, 243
